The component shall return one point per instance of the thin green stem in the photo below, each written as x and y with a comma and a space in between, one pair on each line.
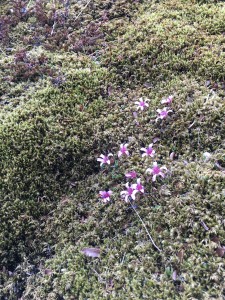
149, 235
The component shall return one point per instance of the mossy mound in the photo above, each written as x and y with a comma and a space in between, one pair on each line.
169, 39
45, 144
50, 179
184, 214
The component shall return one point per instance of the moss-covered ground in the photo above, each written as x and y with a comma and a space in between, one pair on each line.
68, 97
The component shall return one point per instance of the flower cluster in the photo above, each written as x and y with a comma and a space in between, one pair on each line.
163, 113
132, 189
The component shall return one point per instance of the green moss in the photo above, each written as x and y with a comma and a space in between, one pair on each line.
165, 41
50, 179
128, 264
45, 142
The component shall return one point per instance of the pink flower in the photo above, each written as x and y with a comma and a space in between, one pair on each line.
162, 113
141, 104
130, 192
104, 159
155, 171
148, 151
138, 186
123, 150
105, 195
168, 100
131, 174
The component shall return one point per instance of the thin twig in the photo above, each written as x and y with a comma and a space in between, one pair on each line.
2, 50
149, 235
204, 225
123, 258
99, 276
53, 27
82, 9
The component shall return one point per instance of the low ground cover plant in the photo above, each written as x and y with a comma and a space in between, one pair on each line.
112, 149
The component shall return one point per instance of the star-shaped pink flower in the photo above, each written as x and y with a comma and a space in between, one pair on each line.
138, 186
156, 171
168, 100
148, 151
162, 113
142, 104
123, 150
105, 195
130, 192
104, 159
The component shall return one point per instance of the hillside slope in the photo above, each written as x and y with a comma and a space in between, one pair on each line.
71, 76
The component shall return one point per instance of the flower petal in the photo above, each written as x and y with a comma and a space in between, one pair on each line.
125, 198
164, 168
133, 194
153, 177
149, 170
127, 185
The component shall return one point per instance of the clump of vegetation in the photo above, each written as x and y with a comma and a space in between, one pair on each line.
25, 67
87, 209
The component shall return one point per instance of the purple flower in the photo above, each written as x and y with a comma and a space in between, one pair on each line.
156, 170
123, 150
130, 192
138, 186
168, 100
148, 151
162, 113
131, 174
104, 159
141, 104
105, 195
